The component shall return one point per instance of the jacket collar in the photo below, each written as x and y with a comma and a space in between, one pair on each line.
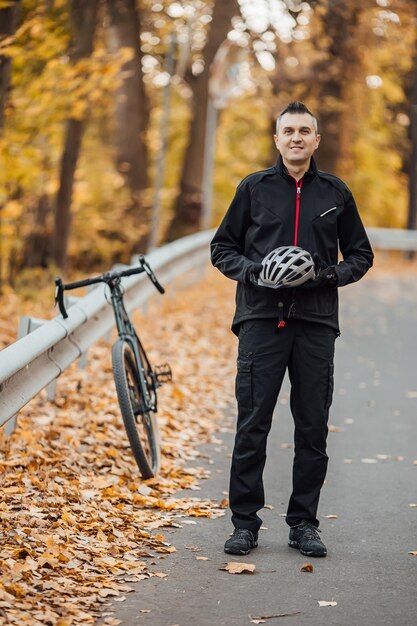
281, 169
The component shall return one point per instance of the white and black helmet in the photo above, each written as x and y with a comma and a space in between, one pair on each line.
287, 266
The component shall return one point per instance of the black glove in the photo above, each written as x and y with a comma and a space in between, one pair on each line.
253, 273
326, 276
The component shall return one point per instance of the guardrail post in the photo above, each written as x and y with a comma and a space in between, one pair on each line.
27, 325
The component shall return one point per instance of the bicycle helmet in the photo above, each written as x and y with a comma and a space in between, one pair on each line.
287, 266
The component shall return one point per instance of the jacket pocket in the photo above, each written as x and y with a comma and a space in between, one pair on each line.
334, 208
244, 383
329, 213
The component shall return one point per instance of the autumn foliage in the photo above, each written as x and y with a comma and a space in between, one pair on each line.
102, 115
78, 525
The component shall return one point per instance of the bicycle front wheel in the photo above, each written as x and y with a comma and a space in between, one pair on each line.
140, 424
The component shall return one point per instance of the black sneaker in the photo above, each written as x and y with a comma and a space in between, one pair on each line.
241, 542
305, 537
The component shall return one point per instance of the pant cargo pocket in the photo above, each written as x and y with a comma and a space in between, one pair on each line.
244, 383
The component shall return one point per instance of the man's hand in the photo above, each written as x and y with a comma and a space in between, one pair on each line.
326, 276
253, 273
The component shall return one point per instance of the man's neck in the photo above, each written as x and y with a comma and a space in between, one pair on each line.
297, 171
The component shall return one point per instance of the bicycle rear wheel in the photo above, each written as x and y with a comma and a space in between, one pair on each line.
141, 426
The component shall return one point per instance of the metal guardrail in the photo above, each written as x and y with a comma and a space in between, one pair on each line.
393, 239
34, 361
37, 359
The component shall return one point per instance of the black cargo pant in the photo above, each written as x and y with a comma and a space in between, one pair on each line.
265, 352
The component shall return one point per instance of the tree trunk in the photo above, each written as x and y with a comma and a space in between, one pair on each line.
84, 15
131, 114
188, 204
333, 76
36, 244
8, 19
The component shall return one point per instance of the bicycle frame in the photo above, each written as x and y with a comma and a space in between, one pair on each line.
127, 332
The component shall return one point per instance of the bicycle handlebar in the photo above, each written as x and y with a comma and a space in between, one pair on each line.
107, 277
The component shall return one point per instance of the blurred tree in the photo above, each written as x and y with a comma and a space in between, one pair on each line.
188, 204
334, 73
84, 18
132, 116
8, 20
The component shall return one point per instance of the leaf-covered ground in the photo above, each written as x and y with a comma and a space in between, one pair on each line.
77, 522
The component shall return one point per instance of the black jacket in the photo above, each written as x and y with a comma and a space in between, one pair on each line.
263, 216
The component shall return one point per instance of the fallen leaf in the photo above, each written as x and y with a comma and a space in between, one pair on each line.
307, 567
413, 553
233, 567
369, 461
107, 592
327, 603
413, 506
335, 429
145, 490
331, 516
411, 394
202, 558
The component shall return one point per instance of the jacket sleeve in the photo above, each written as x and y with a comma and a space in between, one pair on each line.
228, 244
353, 243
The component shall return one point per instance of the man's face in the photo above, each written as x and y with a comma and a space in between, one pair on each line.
297, 138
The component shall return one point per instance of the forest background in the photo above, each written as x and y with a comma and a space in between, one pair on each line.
103, 109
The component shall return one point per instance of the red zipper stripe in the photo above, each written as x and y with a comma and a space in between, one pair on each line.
298, 186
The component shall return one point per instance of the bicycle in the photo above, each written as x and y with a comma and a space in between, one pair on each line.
135, 379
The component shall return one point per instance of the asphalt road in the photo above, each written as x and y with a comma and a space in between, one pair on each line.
370, 485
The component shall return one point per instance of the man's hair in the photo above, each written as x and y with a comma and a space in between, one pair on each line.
297, 107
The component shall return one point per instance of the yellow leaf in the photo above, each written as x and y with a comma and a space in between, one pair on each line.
233, 567
107, 592
307, 567
67, 517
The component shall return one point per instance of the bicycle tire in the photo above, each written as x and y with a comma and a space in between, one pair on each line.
141, 427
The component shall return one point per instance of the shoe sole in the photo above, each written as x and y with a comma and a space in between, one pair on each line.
240, 552
294, 544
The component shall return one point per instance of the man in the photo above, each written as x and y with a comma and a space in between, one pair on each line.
292, 203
